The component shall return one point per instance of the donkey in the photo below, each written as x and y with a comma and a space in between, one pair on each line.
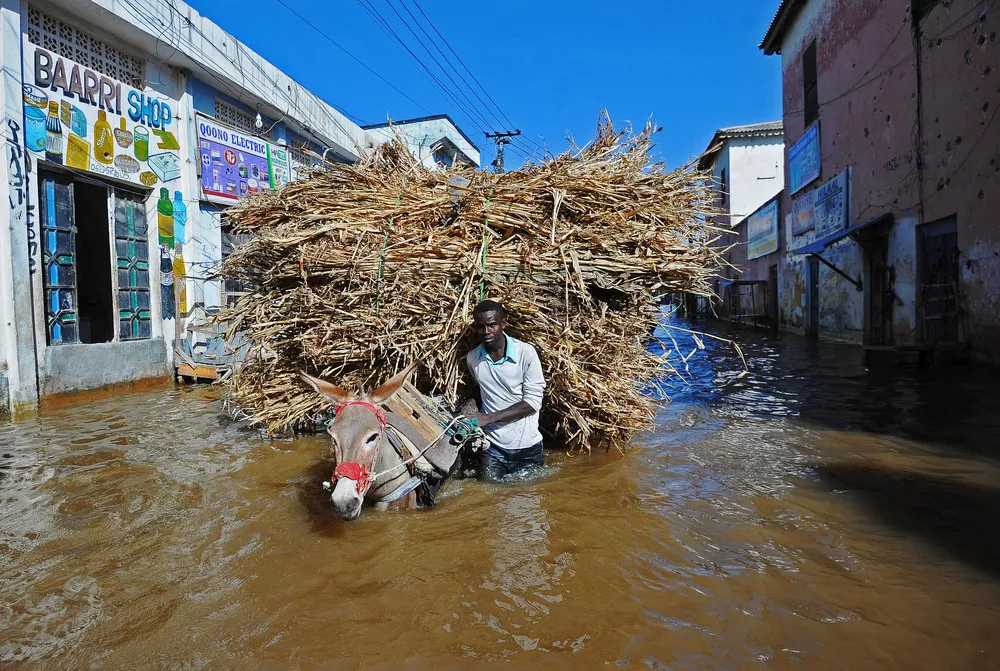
368, 467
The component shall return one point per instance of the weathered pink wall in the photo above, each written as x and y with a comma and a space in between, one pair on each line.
867, 74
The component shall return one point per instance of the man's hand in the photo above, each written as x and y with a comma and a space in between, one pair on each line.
468, 408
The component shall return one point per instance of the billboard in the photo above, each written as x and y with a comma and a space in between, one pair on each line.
830, 205
762, 230
235, 164
803, 212
804, 160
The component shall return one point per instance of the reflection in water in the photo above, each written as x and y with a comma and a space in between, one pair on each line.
524, 574
813, 513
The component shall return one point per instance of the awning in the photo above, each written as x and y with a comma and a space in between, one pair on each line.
823, 243
740, 283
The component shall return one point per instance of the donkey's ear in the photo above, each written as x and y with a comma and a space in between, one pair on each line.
392, 385
327, 390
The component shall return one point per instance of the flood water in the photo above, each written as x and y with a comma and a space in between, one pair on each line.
813, 514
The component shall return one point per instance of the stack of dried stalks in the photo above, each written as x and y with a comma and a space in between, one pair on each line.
362, 268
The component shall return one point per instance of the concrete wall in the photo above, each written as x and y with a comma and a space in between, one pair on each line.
756, 169
19, 238
755, 174
73, 367
868, 94
961, 132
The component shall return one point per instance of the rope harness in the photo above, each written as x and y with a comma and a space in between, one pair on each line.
362, 473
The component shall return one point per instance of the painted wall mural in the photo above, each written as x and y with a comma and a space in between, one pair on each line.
88, 122
85, 121
235, 164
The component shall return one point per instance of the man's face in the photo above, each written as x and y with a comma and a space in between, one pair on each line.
488, 328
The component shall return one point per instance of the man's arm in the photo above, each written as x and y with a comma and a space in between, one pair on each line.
519, 410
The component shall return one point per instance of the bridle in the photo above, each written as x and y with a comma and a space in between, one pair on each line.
353, 470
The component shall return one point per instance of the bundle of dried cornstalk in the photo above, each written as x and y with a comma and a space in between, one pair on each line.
360, 269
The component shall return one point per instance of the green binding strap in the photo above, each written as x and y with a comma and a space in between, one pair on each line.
486, 240
381, 258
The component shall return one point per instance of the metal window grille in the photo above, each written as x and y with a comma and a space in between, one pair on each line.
59, 259
70, 42
302, 162
233, 289
132, 251
235, 117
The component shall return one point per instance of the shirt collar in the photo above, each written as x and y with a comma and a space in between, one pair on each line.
508, 354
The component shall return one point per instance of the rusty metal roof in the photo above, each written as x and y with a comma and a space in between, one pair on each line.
787, 11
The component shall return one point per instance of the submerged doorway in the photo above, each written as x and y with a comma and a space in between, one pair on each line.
938, 273
881, 294
812, 316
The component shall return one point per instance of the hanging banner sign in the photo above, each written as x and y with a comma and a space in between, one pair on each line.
804, 160
86, 121
762, 230
235, 164
279, 161
831, 205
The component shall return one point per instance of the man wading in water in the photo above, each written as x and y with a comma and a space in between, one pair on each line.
510, 381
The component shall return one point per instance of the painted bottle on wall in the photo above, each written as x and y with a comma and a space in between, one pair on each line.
179, 279
141, 146
180, 223
104, 141
53, 134
165, 218
180, 218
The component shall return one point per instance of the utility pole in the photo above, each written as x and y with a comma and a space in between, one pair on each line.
501, 139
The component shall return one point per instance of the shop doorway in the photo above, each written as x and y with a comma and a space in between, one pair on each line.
881, 294
93, 246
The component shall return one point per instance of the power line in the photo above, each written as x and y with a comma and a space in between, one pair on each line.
507, 122
362, 63
462, 63
325, 106
445, 58
387, 28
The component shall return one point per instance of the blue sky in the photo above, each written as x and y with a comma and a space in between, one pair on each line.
550, 65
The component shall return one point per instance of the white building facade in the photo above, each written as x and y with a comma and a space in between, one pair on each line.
748, 165
435, 141
748, 162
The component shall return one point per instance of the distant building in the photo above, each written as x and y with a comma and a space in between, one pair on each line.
747, 164
436, 141
893, 171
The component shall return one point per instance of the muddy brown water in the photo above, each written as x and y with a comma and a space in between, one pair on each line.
813, 514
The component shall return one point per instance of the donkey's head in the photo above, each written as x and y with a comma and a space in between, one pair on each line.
358, 434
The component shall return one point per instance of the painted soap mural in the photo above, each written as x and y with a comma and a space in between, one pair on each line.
235, 164
85, 121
